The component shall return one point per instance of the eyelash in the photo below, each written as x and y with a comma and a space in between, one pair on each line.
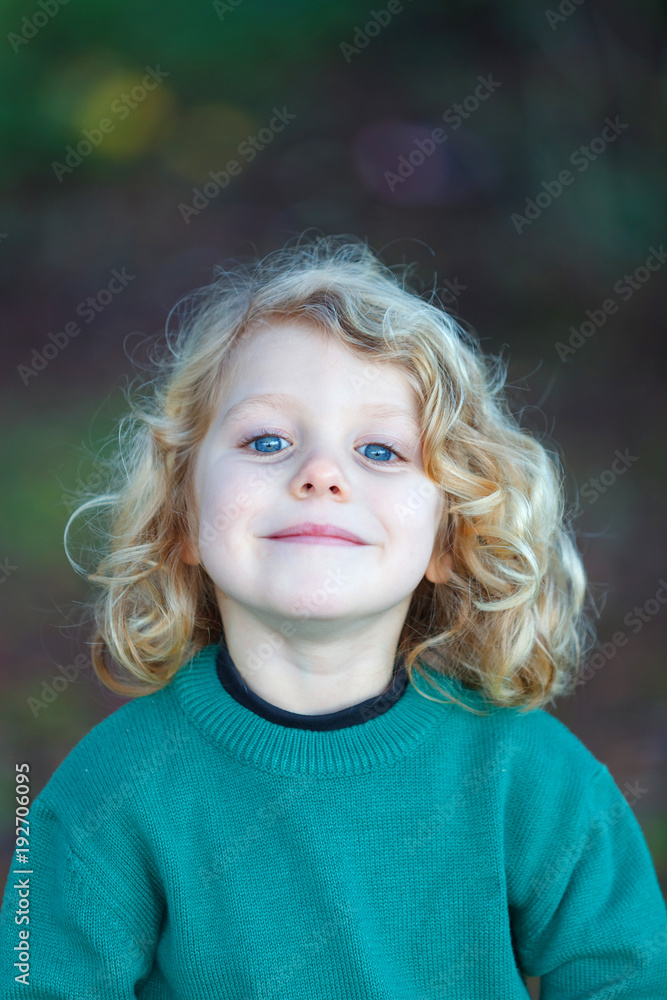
269, 433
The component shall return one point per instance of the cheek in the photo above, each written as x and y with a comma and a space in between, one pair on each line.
413, 508
223, 505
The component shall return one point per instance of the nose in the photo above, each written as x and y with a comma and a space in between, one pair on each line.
319, 476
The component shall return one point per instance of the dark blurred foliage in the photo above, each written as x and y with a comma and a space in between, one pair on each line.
358, 115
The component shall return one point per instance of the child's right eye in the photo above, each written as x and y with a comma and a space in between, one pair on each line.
257, 437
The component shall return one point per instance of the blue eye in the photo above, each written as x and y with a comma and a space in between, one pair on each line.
263, 436
378, 447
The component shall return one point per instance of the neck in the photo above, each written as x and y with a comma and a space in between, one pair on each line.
320, 666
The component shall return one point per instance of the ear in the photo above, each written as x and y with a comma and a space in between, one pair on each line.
439, 569
187, 555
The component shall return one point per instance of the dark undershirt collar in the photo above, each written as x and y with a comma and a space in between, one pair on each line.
354, 715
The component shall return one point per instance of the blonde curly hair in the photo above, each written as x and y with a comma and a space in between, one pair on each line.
509, 621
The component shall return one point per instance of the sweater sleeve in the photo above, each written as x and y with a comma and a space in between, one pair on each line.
65, 933
587, 912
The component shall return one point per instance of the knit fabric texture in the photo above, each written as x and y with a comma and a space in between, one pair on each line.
188, 848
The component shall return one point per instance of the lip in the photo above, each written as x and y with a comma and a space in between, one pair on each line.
324, 533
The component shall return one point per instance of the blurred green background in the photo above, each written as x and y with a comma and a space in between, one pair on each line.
115, 115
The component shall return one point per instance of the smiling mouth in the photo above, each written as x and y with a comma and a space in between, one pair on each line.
314, 533
316, 540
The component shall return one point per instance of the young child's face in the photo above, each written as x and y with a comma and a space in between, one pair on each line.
315, 467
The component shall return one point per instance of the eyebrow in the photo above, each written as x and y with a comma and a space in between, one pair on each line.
279, 401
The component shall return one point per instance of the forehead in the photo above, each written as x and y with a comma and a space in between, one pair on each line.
297, 358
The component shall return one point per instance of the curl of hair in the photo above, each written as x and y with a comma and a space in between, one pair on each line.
509, 621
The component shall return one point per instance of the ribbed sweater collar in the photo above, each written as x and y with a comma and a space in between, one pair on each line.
256, 741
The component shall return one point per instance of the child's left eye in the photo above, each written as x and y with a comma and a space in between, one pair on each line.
383, 447
376, 445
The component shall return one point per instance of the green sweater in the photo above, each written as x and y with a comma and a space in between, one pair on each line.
189, 849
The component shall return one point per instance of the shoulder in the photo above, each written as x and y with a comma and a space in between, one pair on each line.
533, 748
126, 752
550, 774
547, 746
94, 821
539, 728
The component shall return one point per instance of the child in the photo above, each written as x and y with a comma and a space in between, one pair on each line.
326, 513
